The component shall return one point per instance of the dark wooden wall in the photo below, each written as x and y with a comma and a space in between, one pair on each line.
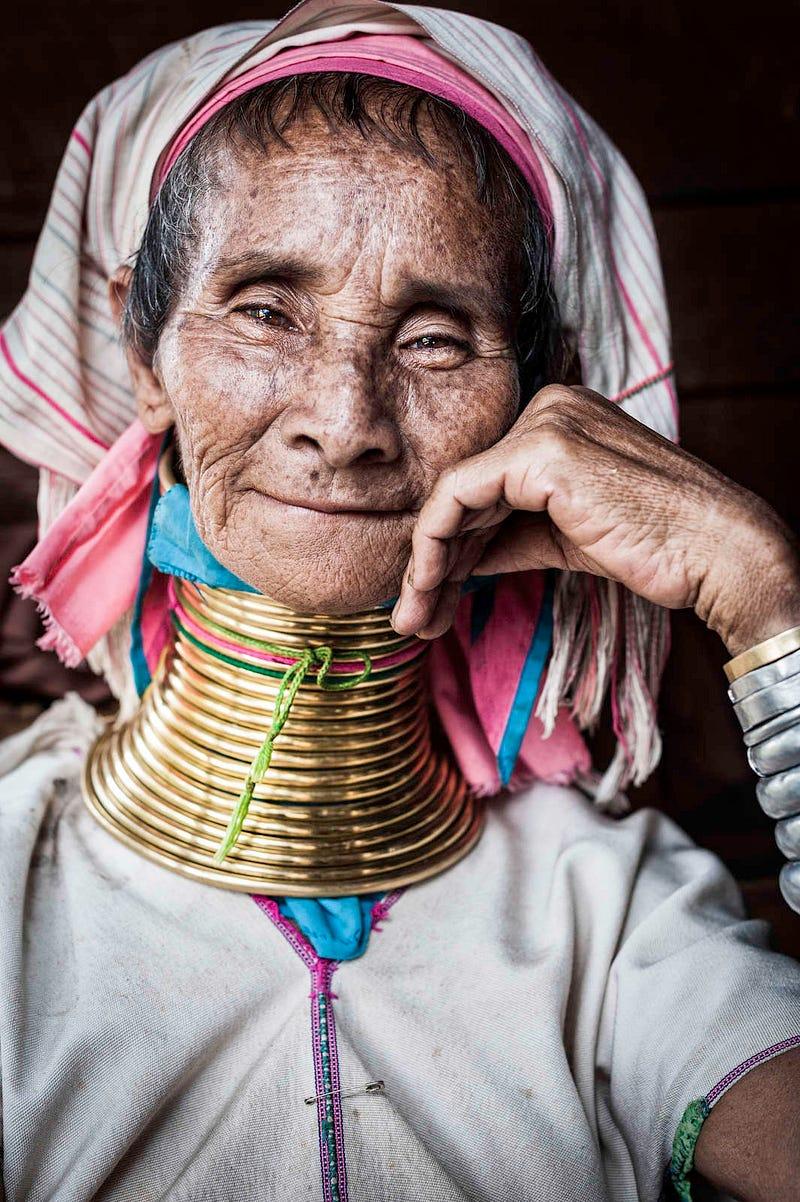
703, 98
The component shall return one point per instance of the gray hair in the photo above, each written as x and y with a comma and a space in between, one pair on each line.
375, 108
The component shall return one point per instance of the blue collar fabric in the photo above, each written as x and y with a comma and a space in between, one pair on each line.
176, 549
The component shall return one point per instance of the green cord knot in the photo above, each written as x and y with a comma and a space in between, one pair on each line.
321, 658
324, 657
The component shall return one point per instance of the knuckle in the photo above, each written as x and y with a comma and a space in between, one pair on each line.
555, 435
560, 413
558, 396
447, 482
582, 404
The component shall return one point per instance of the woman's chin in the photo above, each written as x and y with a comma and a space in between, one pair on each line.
312, 562
321, 603
328, 594
323, 582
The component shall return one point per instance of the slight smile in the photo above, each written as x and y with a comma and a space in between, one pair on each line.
331, 508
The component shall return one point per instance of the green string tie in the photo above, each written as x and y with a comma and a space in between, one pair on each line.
287, 691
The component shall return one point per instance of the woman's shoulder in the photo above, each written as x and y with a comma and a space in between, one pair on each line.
40, 799
555, 833
553, 873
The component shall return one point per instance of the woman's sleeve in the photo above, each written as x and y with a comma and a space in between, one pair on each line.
695, 999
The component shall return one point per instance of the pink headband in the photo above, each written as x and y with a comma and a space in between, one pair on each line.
394, 56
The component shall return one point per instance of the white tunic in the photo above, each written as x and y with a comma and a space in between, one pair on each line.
541, 1013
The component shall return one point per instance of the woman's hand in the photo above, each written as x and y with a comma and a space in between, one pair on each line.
579, 484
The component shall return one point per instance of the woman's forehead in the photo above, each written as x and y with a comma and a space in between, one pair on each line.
329, 205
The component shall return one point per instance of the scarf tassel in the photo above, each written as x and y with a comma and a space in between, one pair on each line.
606, 639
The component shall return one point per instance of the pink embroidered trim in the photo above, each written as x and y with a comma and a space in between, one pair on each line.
758, 1058
335, 1086
333, 1167
329, 1112
293, 936
381, 908
326, 1075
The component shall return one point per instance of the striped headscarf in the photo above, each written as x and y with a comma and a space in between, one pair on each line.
65, 392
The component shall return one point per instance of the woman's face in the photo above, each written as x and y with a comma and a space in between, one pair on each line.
345, 334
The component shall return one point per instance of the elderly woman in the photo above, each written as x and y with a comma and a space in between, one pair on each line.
400, 508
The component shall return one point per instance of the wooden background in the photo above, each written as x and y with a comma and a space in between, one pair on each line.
703, 98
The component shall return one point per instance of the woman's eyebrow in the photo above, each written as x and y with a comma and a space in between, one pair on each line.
466, 301
253, 267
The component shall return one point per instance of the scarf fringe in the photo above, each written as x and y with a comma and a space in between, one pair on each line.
110, 656
607, 639
55, 638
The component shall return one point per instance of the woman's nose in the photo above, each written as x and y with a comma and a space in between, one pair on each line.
344, 429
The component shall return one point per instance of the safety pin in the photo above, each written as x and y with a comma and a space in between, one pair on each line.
370, 1087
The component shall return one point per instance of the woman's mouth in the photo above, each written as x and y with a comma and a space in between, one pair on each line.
336, 508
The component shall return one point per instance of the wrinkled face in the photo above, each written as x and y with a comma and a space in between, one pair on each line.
344, 336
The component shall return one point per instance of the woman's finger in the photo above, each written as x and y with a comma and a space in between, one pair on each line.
417, 610
468, 497
524, 542
483, 519
471, 549
413, 608
431, 541
442, 617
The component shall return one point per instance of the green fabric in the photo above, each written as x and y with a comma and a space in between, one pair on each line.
683, 1147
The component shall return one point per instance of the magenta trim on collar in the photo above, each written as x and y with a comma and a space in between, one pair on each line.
399, 57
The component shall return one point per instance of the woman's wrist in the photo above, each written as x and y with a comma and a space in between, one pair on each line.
758, 594
764, 623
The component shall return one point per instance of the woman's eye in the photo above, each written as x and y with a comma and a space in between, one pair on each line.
435, 342
438, 351
265, 315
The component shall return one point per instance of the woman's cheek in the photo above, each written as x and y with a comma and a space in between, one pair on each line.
464, 420
224, 398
